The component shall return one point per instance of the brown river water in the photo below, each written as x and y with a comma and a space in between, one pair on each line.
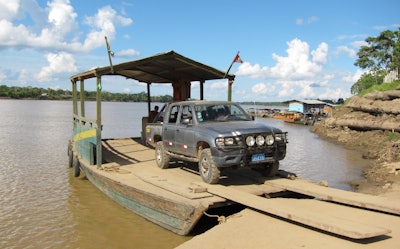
43, 206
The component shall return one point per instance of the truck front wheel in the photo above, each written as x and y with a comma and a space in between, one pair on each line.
162, 158
208, 170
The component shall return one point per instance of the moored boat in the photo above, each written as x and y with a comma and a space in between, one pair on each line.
297, 117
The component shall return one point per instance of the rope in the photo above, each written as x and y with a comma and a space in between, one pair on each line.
222, 219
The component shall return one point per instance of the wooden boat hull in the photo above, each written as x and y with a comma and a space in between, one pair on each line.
177, 216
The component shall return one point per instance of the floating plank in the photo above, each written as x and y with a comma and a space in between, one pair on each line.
292, 210
337, 195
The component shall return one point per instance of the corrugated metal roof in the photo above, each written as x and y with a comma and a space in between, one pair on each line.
161, 68
308, 101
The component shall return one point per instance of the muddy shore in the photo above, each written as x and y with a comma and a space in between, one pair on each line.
370, 125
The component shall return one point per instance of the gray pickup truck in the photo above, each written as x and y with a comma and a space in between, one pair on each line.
217, 135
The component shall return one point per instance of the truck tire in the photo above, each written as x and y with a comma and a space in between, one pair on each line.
162, 158
208, 169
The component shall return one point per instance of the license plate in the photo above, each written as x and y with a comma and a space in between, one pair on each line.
257, 157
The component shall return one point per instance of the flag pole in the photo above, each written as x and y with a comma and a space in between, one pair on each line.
110, 53
230, 81
229, 68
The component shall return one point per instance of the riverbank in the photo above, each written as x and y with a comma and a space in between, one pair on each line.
370, 125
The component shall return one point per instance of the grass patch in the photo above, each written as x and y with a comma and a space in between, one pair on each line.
382, 87
393, 136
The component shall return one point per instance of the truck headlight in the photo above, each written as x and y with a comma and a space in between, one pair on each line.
270, 139
250, 141
219, 141
260, 140
227, 141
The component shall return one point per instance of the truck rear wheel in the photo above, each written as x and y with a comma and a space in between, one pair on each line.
208, 170
162, 158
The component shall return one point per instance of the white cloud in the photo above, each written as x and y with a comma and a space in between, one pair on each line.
220, 84
285, 92
102, 25
296, 65
2, 76
9, 9
127, 53
320, 55
253, 71
300, 21
24, 76
307, 92
57, 30
262, 88
352, 78
313, 19
58, 63
53, 30
62, 17
299, 72
345, 50
359, 44
334, 94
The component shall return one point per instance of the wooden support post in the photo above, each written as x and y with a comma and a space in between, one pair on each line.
202, 90
98, 123
148, 100
230, 83
82, 97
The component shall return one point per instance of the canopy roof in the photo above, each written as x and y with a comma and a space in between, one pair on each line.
166, 67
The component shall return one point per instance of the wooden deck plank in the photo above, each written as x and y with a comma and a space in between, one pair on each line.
241, 187
312, 217
187, 190
337, 195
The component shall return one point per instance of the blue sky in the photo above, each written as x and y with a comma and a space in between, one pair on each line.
291, 49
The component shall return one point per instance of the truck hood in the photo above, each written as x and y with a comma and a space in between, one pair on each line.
242, 127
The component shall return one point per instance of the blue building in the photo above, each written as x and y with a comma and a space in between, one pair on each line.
308, 106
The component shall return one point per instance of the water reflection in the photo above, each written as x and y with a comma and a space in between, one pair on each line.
312, 157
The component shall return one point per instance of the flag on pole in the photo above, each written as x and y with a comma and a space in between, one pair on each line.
237, 58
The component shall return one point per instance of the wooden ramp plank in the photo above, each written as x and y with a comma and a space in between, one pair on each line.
190, 191
337, 195
306, 216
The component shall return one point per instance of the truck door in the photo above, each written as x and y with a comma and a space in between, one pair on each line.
169, 127
185, 131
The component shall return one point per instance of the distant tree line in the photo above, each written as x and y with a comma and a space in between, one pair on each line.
15, 92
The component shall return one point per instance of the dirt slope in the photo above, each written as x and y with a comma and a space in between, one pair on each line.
370, 124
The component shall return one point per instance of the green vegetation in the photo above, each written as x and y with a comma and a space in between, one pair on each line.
393, 136
380, 56
381, 88
15, 92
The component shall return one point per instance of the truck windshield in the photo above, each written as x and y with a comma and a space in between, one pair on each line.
220, 113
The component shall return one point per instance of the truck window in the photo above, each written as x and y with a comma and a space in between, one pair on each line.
173, 114
186, 113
